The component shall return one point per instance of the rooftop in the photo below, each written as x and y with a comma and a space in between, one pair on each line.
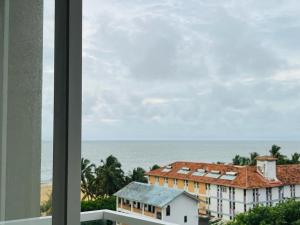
149, 194
235, 176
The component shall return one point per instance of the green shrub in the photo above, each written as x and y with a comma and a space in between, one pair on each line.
287, 213
99, 203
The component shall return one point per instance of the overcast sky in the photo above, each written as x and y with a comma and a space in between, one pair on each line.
186, 69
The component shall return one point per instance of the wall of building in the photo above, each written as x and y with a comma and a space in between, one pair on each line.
243, 199
151, 180
180, 207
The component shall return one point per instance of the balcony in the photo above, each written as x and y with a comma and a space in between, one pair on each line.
100, 216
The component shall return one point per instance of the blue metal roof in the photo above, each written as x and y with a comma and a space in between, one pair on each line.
150, 194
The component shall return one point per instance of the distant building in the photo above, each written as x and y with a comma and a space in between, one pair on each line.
167, 204
225, 190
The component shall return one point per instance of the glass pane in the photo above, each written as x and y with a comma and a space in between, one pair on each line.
196, 88
26, 108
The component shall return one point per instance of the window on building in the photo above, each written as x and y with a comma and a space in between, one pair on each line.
255, 196
223, 189
185, 219
280, 193
139, 205
168, 211
175, 181
292, 191
195, 184
166, 180
186, 183
157, 179
208, 201
269, 196
158, 215
207, 186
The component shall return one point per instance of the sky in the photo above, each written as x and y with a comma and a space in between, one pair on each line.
185, 70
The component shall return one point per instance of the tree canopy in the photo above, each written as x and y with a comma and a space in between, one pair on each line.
286, 213
274, 151
106, 178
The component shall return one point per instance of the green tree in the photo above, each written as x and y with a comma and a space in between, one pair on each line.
87, 179
155, 167
275, 151
138, 174
253, 156
109, 177
295, 158
240, 160
282, 214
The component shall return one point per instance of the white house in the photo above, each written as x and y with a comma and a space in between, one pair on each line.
170, 205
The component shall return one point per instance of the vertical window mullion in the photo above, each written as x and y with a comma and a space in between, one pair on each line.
67, 112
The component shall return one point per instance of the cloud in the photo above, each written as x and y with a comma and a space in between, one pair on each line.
194, 69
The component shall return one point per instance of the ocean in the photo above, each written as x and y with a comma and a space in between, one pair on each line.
144, 154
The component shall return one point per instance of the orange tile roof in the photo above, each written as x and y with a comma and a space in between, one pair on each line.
247, 176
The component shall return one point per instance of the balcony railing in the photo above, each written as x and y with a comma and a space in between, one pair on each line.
101, 215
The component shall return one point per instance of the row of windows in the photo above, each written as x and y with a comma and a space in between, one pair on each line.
186, 183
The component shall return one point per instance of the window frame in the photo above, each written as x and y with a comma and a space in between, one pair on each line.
67, 112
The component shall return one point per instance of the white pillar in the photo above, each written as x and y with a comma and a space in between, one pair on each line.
21, 27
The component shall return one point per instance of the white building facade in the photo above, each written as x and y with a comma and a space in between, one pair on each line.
169, 205
224, 191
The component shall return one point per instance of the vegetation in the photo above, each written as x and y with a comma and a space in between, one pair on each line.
274, 151
99, 183
107, 178
46, 207
99, 203
154, 167
286, 213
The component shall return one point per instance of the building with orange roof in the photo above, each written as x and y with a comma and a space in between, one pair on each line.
224, 190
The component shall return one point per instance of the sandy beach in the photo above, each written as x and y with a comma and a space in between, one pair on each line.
46, 190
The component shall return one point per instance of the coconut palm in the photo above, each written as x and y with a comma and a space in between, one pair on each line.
295, 158
138, 174
253, 156
109, 176
275, 151
87, 179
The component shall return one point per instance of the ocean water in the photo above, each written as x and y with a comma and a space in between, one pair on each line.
144, 154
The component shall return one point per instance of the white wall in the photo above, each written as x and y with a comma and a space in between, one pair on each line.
20, 108
268, 168
180, 207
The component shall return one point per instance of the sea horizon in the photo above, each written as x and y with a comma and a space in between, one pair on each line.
145, 153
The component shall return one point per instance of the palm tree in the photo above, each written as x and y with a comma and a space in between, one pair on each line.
155, 167
236, 160
275, 151
253, 156
109, 176
295, 158
138, 174
87, 179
